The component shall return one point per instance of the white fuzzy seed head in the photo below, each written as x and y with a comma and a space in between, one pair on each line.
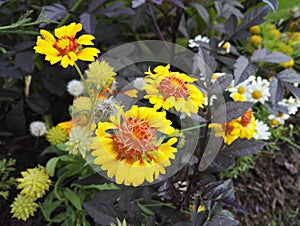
37, 128
75, 87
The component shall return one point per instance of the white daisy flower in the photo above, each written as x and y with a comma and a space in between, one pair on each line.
262, 131
195, 42
279, 119
138, 83
75, 87
37, 128
239, 91
292, 104
258, 91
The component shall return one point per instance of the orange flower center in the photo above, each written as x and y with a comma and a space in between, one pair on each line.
246, 118
173, 86
228, 128
134, 139
65, 45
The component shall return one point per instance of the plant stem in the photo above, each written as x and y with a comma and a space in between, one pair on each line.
155, 22
192, 128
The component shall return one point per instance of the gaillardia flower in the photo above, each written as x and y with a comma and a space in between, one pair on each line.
168, 89
135, 151
65, 47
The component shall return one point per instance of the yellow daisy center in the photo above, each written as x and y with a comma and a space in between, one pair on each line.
173, 86
65, 45
134, 139
241, 90
256, 94
274, 122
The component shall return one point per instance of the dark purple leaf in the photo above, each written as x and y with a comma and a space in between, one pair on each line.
24, 61
88, 22
254, 17
294, 90
54, 85
15, 119
139, 19
178, 3
201, 11
10, 94
230, 201
221, 220
275, 109
263, 55
55, 12
230, 25
234, 109
24, 45
95, 4
114, 10
157, 1
9, 70
37, 103
221, 163
243, 68
221, 83
3, 1
288, 76
242, 147
276, 90
272, 3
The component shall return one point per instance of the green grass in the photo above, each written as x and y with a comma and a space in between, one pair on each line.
284, 8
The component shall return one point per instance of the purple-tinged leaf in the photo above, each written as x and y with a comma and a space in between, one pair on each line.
263, 55
24, 45
88, 21
115, 10
204, 63
54, 13
201, 11
254, 17
234, 109
230, 25
276, 90
9, 70
243, 68
95, 4
243, 147
137, 3
221, 163
275, 109
218, 220
272, 3
37, 103
15, 119
178, 3
221, 83
230, 201
24, 61
294, 90
289, 76
157, 1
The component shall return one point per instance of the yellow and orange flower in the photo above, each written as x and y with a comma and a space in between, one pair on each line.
166, 89
242, 127
65, 47
134, 151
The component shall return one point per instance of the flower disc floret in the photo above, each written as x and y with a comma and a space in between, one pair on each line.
166, 89
56, 135
23, 207
34, 182
133, 151
65, 47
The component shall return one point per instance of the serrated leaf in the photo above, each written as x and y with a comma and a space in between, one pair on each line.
254, 17
263, 55
272, 3
55, 12
51, 165
230, 25
243, 68
289, 76
221, 163
276, 90
24, 61
88, 21
294, 90
73, 198
234, 109
95, 4
204, 63
221, 83
242, 147
201, 11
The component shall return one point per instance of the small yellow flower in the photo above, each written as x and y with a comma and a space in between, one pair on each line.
132, 150
255, 30
274, 34
288, 64
56, 135
23, 207
82, 104
270, 27
166, 89
79, 141
34, 182
66, 48
256, 40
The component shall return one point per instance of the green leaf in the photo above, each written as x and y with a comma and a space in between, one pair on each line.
51, 164
145, 209
73, 198
101, 187
47, 209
